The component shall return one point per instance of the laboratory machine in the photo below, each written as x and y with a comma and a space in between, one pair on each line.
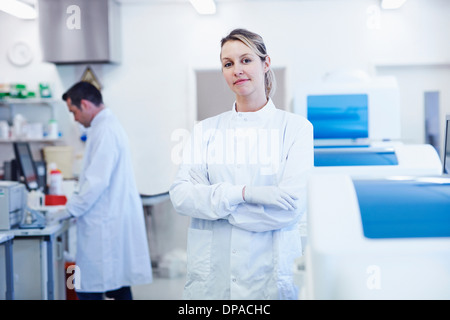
12, 203
351, 112
385, 237
378, 160
378, 238
356, 121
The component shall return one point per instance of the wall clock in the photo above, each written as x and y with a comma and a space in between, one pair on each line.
20, 54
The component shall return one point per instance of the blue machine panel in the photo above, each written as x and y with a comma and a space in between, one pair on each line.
403, 209
360, 156
339, 116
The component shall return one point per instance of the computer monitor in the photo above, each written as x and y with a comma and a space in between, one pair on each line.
446, 166
26, 164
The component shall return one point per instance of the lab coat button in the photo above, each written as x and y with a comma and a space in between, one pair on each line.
234, 280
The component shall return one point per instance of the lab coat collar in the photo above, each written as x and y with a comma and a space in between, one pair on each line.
263, 113
101, 115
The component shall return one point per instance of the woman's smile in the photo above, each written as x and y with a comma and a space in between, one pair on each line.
241, 81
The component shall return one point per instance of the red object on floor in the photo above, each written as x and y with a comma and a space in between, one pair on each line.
54, 200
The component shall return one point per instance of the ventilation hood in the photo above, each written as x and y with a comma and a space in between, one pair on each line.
79, 31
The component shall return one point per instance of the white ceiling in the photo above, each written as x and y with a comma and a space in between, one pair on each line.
181, 1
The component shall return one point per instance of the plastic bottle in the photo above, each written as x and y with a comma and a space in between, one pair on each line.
4, 130
56, 180
52, 129
19, 126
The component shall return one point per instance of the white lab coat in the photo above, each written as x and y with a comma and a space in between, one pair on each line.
238, 250
112, 247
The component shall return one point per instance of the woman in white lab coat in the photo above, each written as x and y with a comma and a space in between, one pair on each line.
243, 182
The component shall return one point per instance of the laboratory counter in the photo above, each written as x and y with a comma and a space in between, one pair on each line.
6, 239
36, 267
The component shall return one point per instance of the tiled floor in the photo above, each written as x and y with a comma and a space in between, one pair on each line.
160, 289
164, 288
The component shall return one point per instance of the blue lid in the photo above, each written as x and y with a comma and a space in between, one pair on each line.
339, 116
403, 209
354, 157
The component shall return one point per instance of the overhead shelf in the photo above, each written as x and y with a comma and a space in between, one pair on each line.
28, 140
11, 103
28, 101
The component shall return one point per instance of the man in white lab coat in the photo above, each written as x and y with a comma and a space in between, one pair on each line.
112, 249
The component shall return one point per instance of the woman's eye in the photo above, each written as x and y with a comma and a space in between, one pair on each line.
247, 60
228, 64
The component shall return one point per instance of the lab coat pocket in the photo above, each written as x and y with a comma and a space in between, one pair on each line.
199, 253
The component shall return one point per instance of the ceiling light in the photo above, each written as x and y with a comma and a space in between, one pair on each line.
204, 6
18, 9
392, 4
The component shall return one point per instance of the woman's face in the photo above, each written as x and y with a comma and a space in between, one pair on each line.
243, 69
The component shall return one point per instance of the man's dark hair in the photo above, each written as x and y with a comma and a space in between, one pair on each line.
83, 90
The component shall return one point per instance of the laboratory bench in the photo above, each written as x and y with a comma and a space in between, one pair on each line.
6, 241
35, 264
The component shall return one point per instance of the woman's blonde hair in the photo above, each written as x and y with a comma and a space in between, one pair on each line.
256, 43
